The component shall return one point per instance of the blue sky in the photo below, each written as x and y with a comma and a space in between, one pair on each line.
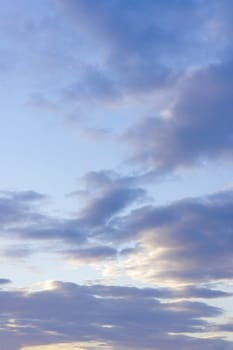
116, 195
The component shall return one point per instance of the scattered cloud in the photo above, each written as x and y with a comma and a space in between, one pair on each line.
159, 74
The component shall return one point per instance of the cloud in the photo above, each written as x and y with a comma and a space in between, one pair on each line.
17, 252
200, 292
22, 218
108, 203
130, 52
16, 206
104, 179
140, 45
96, 254
4, 281
169, 293
110, 194
121, 318
199, 129
185, 242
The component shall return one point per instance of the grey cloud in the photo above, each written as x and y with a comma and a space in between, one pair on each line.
200, 127
140, 44
188, 292
4, 281
16, 252
18, 206
25, 196
193, 236
225, 327
110, 194
108, 203
66, 312
188, 240
105, 179
67, 230
21, 215
91, 254
201, 292
94, 83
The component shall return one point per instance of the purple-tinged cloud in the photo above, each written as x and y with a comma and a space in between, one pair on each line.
139, 44
4, 281
109, 203
199, 129
189, 240
66, 312
96, 254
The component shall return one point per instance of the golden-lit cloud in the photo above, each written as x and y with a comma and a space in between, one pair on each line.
70, 346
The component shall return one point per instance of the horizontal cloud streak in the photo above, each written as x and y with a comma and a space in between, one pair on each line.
84, 313
153, 81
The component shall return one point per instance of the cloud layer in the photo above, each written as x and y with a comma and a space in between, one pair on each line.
112, 315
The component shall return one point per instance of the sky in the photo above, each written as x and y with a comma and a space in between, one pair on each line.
116, 197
